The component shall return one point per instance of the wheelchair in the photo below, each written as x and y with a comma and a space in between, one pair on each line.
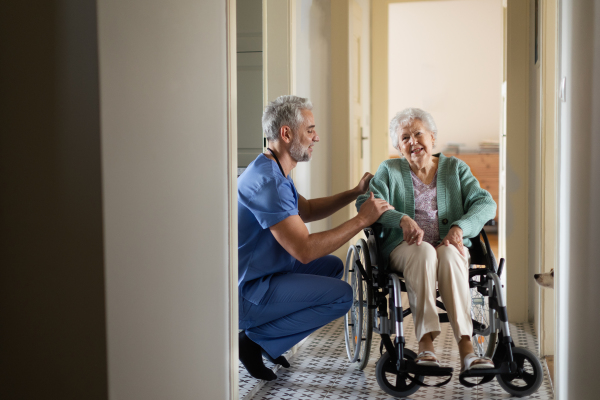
377, 307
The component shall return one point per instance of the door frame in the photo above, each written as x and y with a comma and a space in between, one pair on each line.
232, 326
280, 17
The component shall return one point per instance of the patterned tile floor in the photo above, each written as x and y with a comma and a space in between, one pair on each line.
320, 370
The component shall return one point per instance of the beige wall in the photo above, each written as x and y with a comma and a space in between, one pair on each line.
535, 169
313, 80
163, 86
542, 170
452, 68
549, 127
518, 160
342, 88
379, 120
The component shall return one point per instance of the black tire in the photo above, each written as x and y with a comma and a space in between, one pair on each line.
386, 370
353, 320
529, 376
368, 314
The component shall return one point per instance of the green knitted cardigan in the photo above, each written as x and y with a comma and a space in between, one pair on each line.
460, 200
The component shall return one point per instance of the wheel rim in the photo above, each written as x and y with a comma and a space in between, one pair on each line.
366, 327
526, 376
480, 312
353, 318
398, 383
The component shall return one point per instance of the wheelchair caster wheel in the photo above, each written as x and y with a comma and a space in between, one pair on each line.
393, 383
529, 375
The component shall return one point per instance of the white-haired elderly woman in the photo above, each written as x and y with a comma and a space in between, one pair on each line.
438, 206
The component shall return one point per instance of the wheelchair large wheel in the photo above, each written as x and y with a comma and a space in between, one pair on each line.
394, 384
353, 320
484, 340
368, 300
529, 374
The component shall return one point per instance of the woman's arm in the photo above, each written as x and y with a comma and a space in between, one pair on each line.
478, 204
380, 186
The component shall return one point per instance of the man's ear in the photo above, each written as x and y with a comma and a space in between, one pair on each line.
285, 133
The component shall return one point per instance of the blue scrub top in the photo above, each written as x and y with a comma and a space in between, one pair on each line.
265, 197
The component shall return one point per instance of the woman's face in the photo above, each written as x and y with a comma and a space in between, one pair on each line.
416, 143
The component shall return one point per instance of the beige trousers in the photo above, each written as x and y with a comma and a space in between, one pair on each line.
423, 266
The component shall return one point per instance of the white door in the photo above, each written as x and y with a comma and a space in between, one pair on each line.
359, 149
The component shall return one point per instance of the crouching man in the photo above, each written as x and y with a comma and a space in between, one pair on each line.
289, 285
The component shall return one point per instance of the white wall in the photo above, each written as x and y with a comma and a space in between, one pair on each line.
164, 154
313, 80
446, 58
578, 275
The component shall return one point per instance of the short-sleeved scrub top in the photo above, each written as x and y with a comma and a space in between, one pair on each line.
265, 197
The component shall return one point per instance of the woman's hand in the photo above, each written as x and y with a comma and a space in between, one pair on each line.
410, 229
454, 237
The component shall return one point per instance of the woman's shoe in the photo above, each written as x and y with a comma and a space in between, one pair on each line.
472, 361
427, 358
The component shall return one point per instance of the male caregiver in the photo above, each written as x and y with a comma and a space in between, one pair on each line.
289, 284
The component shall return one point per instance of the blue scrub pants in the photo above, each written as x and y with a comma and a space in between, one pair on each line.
296, 304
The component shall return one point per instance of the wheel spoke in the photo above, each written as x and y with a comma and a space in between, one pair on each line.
401, 383
389, 367
520, 360
528, 378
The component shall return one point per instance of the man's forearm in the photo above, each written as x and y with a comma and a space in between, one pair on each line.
325, 206
324, 243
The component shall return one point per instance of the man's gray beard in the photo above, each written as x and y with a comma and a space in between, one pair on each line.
299, 153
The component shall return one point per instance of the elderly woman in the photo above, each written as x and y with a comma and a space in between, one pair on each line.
438, 206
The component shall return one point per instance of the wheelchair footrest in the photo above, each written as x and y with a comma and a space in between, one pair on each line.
426, 370
479, 373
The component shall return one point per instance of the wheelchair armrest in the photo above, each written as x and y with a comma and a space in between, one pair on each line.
476, 250
373, 231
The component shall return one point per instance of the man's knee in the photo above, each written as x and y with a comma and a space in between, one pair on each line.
340, 295
347, 293
346, 297
336, 266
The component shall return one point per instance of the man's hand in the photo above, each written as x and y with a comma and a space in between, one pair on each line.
363, 185
292, 235
454, 237
371, 210
411, 231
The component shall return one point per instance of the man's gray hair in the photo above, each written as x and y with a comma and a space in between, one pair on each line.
407, 116
284, 110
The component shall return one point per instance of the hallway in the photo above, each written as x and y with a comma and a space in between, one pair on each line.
320, 370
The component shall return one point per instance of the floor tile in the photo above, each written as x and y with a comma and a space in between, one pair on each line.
320, 370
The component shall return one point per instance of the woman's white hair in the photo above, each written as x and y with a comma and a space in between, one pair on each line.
407, 116
284, 111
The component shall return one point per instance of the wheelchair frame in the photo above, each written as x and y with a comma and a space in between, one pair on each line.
377, 307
